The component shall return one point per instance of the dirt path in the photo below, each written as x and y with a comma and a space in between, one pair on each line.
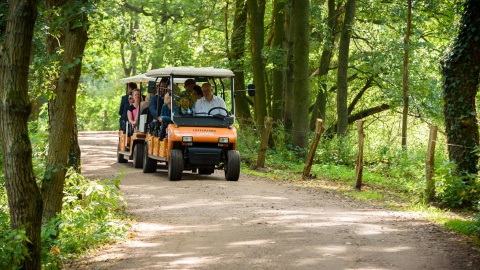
205, 222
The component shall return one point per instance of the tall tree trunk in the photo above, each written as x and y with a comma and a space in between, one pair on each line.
256, 12
24, 198
278, 78
61, 111
129, 67
320, 106
342, 90
300, 73
460, 69
236, 59
288, 110
406, 44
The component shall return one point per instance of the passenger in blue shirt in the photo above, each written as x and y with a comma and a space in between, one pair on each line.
165, 115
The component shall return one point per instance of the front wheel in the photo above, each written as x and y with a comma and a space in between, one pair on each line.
175, 165
138, 155
232, 168
149, 164
120, 157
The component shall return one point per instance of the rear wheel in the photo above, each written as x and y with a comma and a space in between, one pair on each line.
120, 157
175, 165
232, 168
149, 164
138, 155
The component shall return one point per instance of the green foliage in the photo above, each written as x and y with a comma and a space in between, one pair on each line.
12, 247
92, 215
12, 242
466, 227
456, 191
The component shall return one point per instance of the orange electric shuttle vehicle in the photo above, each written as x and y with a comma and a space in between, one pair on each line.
197, 141
131, 140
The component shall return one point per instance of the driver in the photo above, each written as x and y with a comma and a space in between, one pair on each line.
209, 101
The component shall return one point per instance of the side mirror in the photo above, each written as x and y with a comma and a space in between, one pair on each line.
251, 90
151, 87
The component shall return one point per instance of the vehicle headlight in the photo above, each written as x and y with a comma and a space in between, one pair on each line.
187, 139
223, 140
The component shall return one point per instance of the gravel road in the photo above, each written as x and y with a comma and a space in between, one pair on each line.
205, 222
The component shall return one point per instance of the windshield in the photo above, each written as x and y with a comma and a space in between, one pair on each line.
208, 101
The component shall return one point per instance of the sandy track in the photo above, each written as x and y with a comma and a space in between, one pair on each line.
205, 222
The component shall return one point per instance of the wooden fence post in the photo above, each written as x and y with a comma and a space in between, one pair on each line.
313, 148
262, 152
359, 166
430, 164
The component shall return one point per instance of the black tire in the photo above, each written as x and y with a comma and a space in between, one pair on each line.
205, 171
232, 168
175, 165
149, 164
138, 155
120, 157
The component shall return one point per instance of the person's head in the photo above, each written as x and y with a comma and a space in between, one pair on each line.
167, 98
184, 102
137, 97
130, 99
162, 86
131, 86
197, 92
189, 84
207, 91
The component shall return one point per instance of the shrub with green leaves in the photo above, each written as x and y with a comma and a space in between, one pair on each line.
92, 215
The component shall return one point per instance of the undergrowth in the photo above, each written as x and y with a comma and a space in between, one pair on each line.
92, 215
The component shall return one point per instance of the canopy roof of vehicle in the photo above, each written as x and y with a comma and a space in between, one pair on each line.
191, 71
137, 78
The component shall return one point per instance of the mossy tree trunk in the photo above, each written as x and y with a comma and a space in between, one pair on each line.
256, 13
301, 89
62, 105
460, 69
342, 86
278, 73
24, 198
236, 56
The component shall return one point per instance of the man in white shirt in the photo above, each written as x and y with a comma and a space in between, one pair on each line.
209, 101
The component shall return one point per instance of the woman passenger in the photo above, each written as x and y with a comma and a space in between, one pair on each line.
133, 108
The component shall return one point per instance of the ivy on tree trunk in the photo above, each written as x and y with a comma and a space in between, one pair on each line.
460, 68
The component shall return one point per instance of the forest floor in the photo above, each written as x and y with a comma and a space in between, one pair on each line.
206, 222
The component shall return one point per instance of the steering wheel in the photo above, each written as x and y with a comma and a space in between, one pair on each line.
214, 108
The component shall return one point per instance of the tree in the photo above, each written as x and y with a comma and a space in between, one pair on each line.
24, 198
236, 56
460, 71
278, 78
319, 108
61, 107
289, 108
256, 12
342, 91
301, 89
405, 75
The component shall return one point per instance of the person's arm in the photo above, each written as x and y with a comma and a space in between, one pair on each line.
166, 114
130, 115
122, 106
